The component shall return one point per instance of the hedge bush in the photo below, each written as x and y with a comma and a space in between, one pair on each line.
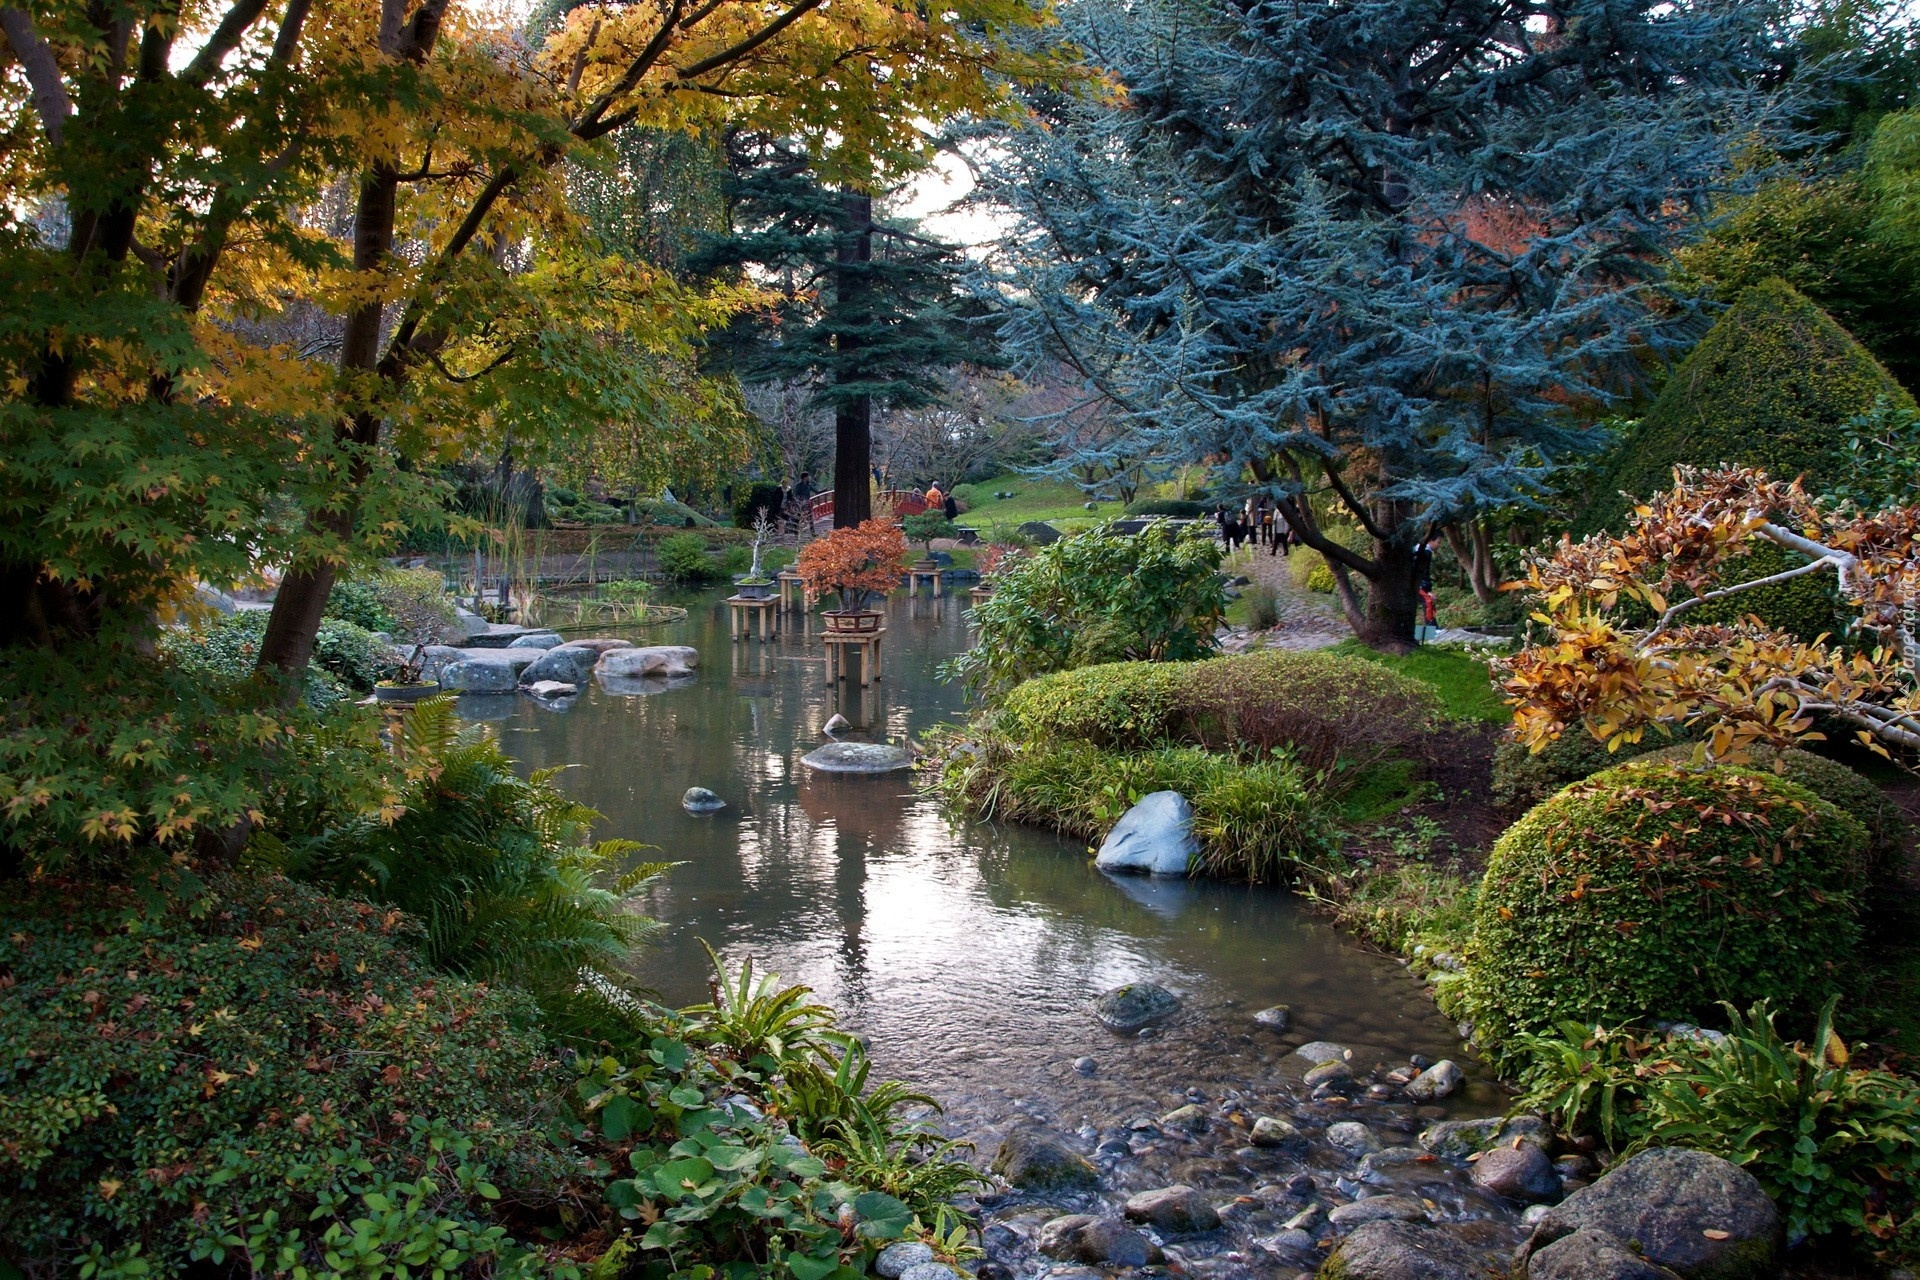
230, 1072
1327, 710
1523, 778
1772, 385
683, 558
1654, 891
1887, 828
1174, 508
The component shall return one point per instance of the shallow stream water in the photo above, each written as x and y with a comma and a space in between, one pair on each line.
966, 952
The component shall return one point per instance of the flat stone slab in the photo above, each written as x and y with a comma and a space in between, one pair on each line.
652, 660
857, 757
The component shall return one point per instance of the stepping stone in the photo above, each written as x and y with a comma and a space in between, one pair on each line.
857, 757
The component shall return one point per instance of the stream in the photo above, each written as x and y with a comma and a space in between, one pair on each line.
965, 953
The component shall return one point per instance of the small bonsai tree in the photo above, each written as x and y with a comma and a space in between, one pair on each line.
927, 526
858, 564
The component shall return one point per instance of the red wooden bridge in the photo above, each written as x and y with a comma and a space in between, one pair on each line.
905, 502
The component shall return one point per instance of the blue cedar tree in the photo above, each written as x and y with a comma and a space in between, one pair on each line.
1383, 250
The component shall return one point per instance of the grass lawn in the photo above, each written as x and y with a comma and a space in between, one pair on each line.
1061, 504
1465, 690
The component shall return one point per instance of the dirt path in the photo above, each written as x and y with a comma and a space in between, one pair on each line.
1308, 619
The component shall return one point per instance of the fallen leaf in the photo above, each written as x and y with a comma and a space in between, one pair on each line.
1714, 1233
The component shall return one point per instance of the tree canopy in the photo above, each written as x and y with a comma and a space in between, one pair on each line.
1377, 250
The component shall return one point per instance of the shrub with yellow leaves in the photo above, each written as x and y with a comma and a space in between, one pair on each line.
1623, 653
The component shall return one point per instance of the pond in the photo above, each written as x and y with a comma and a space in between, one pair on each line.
964, 952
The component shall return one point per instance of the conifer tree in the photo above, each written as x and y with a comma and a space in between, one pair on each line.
1388, 254
868, 311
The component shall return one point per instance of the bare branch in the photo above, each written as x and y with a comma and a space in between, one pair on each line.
1677, 611
50, 98
225, 39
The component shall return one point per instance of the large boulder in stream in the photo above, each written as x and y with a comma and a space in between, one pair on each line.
1695, 1214
1127, 1009
1081, 1237
470, 674
1154, 838
568, 663
1390, 1249
1032, 1159
651, 660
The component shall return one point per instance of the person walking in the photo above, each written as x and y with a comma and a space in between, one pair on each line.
935, 499
951, 507
1423, 577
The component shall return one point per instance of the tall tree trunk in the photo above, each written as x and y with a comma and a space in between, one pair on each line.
1393, 605
852, 421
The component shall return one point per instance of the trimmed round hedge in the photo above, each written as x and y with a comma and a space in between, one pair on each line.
1886, 823
1652, 891
1326, 709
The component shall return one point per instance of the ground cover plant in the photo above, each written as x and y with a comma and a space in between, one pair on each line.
1836, 1144
1032, 498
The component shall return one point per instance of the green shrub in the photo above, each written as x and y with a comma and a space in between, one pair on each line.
1888, 830
927, 526
683, 558
1262, 604
1523, 778
1772, 385
357, 600
1095, 597
253, 1074
1805, 608
1329, 712
1654, 891
495, 866
1325, 711
1413, 909
1118, 705
1309, 568
1837, 1147
1256, 821
230, 646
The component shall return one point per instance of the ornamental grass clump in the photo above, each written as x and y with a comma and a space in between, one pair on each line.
1654, 891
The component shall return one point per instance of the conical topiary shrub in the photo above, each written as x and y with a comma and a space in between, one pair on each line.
1770, 386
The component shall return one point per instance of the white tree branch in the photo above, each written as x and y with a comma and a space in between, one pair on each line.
50, 98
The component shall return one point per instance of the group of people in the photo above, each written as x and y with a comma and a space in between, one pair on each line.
945, 503
1257, 522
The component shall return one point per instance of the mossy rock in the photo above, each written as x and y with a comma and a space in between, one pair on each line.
1655, 891
1770, 386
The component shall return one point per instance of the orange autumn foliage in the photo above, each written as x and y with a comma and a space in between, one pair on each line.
857, 563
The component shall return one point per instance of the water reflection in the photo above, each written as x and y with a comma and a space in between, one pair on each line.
966, 954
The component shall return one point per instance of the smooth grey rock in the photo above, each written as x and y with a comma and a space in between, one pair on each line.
1437, 1081
1591, 1255
930, 1271
1335, 1072
1269, 1132
1520, 1172
835, 723
551, 689
1353, 1138
1275, 1017
471, 675
857, 757
215, 599
1129, 1008
1393, 1250
701, 800
1080, 1237
1375, 1166
1032, 1159
1377, 1209
467, 624
1290, 1240
1318, 1051
569, 663
1085, 1066
1664, 1202
650, 660
1154, 837
1191, 1118
537, 640
1458, 1139
900, 1255
598, 644
1177, 1209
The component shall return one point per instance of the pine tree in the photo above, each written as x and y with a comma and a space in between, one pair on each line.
869, 308
1385, 254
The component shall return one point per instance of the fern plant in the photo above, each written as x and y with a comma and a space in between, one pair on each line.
497, 867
